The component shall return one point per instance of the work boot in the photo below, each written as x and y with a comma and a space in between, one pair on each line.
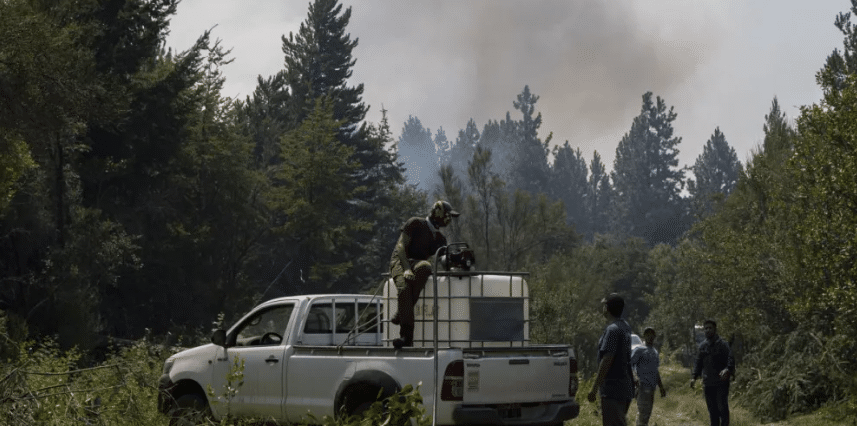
406, 331
398, 343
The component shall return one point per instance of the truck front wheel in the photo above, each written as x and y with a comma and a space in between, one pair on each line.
189, 409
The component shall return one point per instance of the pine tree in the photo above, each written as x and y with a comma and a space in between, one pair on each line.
441, 147
646, 176
599, 196
485, 185
568, 184
417, 151
464, 147
314, 178
318, 63
450, 189
530, 169
265, 115
716, 173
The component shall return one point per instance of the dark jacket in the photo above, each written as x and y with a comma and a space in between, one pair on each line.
418, 240
714, 356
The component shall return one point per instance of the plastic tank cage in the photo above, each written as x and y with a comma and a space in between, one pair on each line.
474, 310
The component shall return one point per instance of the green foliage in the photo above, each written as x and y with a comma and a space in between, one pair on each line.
569, 185
450, 189
314, 178
416, 150
795, 373
599, 197
402, 408
15, 160
825, 166
646, 176
716, 173
567, 290
514, 229
676, 303
47, 385
529, 170
318, 63
485, 185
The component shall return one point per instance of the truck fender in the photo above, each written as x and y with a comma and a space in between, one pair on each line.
366, 384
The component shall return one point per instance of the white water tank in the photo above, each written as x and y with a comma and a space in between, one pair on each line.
474, 310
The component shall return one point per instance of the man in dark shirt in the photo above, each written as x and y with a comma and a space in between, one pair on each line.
615, 379
716, 366
409, 266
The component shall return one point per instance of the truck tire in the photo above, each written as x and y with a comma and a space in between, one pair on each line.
189, 409
358, 398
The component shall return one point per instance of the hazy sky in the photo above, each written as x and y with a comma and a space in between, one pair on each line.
718, 62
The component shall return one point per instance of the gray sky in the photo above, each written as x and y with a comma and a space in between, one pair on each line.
718, 62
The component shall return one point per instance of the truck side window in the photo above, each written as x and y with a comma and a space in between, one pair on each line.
265, 328
320, 319
368, 318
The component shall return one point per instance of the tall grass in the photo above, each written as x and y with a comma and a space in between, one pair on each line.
684, 406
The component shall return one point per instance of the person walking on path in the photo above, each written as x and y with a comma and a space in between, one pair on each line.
716, 366
615, 379
645, 362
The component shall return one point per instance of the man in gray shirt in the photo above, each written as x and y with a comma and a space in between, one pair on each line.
645, 361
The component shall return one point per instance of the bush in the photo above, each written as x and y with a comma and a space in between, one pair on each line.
796, 373
45, 385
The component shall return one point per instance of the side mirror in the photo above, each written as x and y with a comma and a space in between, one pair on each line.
219, 337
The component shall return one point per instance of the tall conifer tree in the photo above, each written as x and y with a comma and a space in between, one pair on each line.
530, 168
716, 171
646, 176
599, 196
569, 184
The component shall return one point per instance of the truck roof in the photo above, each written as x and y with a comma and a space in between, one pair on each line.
319, 296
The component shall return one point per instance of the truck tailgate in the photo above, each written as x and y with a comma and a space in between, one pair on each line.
516, 375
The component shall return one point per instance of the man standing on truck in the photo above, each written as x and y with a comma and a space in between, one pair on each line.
615, 380
715, 364
409, 266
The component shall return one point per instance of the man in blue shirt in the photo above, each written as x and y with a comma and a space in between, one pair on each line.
614, 380
645, 361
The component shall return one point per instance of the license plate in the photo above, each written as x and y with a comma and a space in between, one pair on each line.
509, 411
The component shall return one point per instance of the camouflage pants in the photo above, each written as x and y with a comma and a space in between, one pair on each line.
409, 290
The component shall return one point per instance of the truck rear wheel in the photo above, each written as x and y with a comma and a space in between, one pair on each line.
359, 398
189, 409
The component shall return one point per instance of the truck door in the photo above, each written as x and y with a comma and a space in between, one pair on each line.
259, 346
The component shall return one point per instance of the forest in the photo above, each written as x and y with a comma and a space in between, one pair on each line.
137, 203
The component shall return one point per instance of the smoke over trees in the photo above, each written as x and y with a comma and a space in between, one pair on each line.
135, 199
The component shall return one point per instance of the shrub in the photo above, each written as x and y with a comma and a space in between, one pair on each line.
796, 373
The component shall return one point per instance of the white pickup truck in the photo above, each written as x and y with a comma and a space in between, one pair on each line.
332, 354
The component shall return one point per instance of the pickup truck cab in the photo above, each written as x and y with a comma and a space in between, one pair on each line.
331, 355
